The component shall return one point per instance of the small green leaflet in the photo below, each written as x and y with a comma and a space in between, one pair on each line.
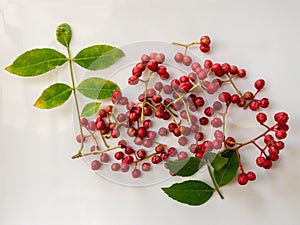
227, 173
216, 160
98, 57
185, 167
97, 88
64, 34
36, 62
189, 166
191, 192
90, 109
53, 96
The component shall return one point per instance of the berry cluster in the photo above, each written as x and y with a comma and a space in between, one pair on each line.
179, 108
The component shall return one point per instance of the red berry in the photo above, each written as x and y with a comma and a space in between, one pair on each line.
205, 40
216, 68
147, 124
230, 141
152, 65
159, 149
259, 84
235, 98
119, 155
261, 161
163, 156
234, 70
83, 122
147, 143
95, 165
261, 117
264, 103
242, 179
254, 105
219, 135
212, 88
133, 80
104, 157
281, 117
199, 136
142, 132
216, 144
80, 138
182, 141
136, 173
251, 176
187, 60
208, 111
280, 145
172, 127
203, 121
182, 155
91, 125
115, 166
145, 58
204, 48
172, 151
162, 70
248, 95
216, 122
122, 143
178, 57
129, 150
273, 157
158, 86
241, 73
225, 97
117, 94
177, 132
160, 58
217, 105
268, 164
280, 134
146, 166
125, 167
136, 71
208, 64
226, 68
141, 153
162, 131
155, 159
115, 133
127, 160
207, 146
138, 141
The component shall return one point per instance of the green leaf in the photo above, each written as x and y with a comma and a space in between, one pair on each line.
185, 167
36, 62
98, 57
227, 173
191, 192
90, 109
53, 96
64, 34
219, 162
97, 88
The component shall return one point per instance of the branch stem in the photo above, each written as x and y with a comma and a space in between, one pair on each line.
75, 97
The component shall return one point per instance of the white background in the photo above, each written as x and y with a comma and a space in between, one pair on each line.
41, 185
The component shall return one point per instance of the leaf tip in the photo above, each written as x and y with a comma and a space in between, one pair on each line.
8, 68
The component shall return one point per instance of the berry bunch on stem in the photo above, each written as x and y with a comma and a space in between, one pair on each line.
187, 107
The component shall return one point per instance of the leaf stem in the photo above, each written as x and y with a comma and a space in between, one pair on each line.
75, 96
79, 154
212, 176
